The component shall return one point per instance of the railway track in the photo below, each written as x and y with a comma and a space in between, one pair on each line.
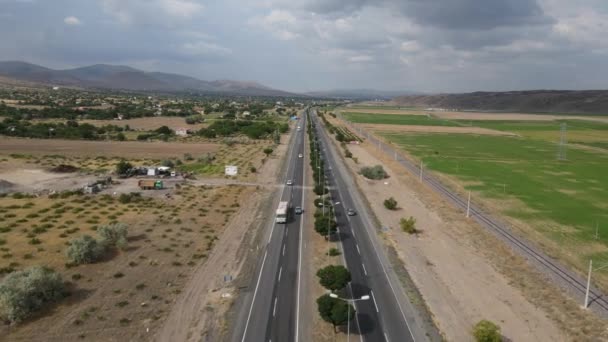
568, 280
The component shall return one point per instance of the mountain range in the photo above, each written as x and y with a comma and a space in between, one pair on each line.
533, 101
360, 94
103, 76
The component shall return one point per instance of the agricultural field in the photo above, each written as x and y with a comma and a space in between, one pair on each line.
129, 291
398, 119
509, 162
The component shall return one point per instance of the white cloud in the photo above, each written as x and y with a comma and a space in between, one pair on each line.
410, 46
72, 21
203, 48
152, 11
360, 58
281, 24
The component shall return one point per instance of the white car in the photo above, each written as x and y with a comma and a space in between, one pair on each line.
289, 182
300, 155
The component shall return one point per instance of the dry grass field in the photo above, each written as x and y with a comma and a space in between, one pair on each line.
122, 149
125, 295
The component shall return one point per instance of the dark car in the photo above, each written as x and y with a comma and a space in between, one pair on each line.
298, 210
351, 212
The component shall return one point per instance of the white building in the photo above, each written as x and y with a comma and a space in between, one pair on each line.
182, 132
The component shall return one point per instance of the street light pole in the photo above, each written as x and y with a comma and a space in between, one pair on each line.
348, 302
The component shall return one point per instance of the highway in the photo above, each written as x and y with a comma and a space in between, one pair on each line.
383, 317
270, 310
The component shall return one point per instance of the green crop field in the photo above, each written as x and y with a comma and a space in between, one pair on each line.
398, 119
572, 193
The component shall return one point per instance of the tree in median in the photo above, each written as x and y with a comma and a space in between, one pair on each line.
390, 203
24, 292
334, 311
334, 277
486, 331
325, 225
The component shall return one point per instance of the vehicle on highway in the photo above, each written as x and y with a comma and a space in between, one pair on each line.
298, 211
351, 212
299, 128
300, 155
289, 182
281, 214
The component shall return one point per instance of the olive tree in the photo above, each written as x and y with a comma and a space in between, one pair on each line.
24, 292
113, 235
85, 250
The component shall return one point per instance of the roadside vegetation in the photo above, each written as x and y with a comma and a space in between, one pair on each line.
376, 172
390, 203
486, 331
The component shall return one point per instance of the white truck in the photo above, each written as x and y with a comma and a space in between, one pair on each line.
281, 214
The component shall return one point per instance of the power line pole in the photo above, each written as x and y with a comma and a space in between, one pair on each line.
469, 206
563, 141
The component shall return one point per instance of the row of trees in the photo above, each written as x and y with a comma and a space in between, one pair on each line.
249, 128
68, 130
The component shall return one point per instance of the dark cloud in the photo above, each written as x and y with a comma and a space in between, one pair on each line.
474, 14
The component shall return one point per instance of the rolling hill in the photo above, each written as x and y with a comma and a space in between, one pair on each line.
102, 76
533, 101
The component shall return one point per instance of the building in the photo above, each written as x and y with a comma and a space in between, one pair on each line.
182, 132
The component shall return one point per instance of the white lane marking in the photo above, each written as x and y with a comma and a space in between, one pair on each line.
358, 250
364, 270
300, 256
280, 272
386, 337
284, 249
352, 230
255, 292
374, 299
274, 310
287, 231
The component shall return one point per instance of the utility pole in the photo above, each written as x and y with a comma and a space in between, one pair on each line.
469, 205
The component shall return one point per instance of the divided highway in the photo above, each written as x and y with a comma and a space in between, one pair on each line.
272, 301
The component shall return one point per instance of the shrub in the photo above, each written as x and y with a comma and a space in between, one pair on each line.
253, 169
113, 235
486, 331
168, 163
390, 203
334, 277
408, 225
123, 167
334, 252
374, 172
24, 292
268, 151
85, 250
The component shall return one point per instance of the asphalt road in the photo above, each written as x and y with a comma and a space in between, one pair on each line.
383, 317
272, 301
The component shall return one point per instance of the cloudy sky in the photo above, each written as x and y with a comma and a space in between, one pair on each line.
302, 45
